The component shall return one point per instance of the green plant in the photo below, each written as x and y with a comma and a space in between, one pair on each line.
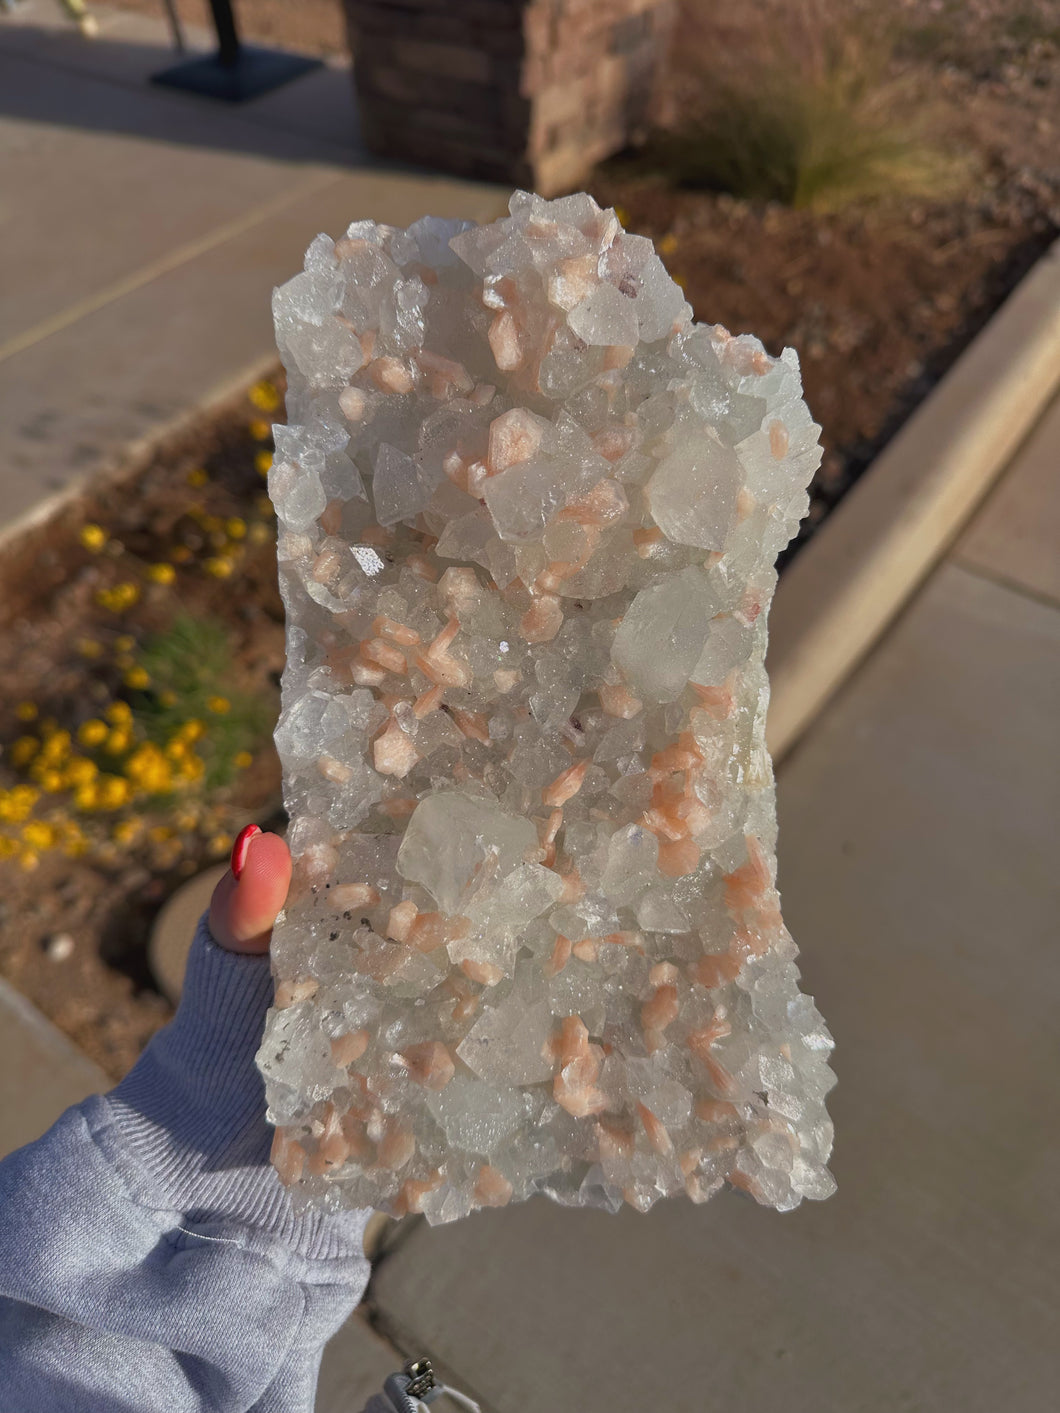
187, 677
799, 107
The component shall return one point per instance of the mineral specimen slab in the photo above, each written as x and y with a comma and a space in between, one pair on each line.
529, 513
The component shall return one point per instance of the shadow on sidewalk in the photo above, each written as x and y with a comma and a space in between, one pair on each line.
54, 77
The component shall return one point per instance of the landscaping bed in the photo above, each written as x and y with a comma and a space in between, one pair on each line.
140, 654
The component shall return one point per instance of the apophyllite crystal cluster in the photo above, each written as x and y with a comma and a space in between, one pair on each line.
529, 513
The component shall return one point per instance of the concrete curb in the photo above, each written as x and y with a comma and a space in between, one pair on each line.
132, 458
887, 534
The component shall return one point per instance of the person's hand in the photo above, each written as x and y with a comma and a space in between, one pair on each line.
247, 899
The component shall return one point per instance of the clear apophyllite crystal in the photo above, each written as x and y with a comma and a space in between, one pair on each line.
528, 518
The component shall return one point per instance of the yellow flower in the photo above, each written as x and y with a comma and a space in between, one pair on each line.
263, 462
114, 792
180, 554
80, 771
88, 647
220, 567
7, 846
260, 430
622, 215
26, 711
167, 698
220, 844
150, 770
160, 833
127, 831
55, 749
51, 781
138, 678
18, 803
192, 730
118, 741
118, 598
119, 713
235, 528
259, 534
161, 573
92, 732
264, 396
125, 643
176, 749
243, 760
38, 835
23, 750
198, 477
219, 705
28, 859
679, 280
667, 244
86, 797
192, 768
93, 537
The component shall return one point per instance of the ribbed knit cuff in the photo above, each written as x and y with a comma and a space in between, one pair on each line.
186, 1126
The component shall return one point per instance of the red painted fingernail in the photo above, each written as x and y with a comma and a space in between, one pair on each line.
241, 847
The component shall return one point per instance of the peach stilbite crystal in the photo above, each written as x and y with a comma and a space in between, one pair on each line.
529, 513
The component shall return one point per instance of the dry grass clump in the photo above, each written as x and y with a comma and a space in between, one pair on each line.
800, 105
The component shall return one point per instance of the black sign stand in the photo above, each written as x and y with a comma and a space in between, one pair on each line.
237, 71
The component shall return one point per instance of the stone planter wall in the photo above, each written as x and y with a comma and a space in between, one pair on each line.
527, 92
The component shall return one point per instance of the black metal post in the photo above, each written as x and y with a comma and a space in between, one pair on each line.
237, 71
224, 22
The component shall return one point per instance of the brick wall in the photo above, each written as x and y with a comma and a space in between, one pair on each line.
529, 92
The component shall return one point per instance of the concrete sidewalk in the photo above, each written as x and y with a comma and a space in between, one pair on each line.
142, 231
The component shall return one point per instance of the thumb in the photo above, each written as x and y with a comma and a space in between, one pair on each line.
244, 908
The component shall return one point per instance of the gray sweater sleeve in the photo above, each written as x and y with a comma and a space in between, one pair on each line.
149, 1256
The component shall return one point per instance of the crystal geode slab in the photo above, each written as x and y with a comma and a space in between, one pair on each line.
529, 513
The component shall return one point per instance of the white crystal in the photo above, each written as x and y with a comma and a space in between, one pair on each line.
693, 493
455, 842
606, 316
507, 1045
528, 515
663, 634
400, 487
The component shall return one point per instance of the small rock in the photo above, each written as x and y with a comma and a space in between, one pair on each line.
59, 947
